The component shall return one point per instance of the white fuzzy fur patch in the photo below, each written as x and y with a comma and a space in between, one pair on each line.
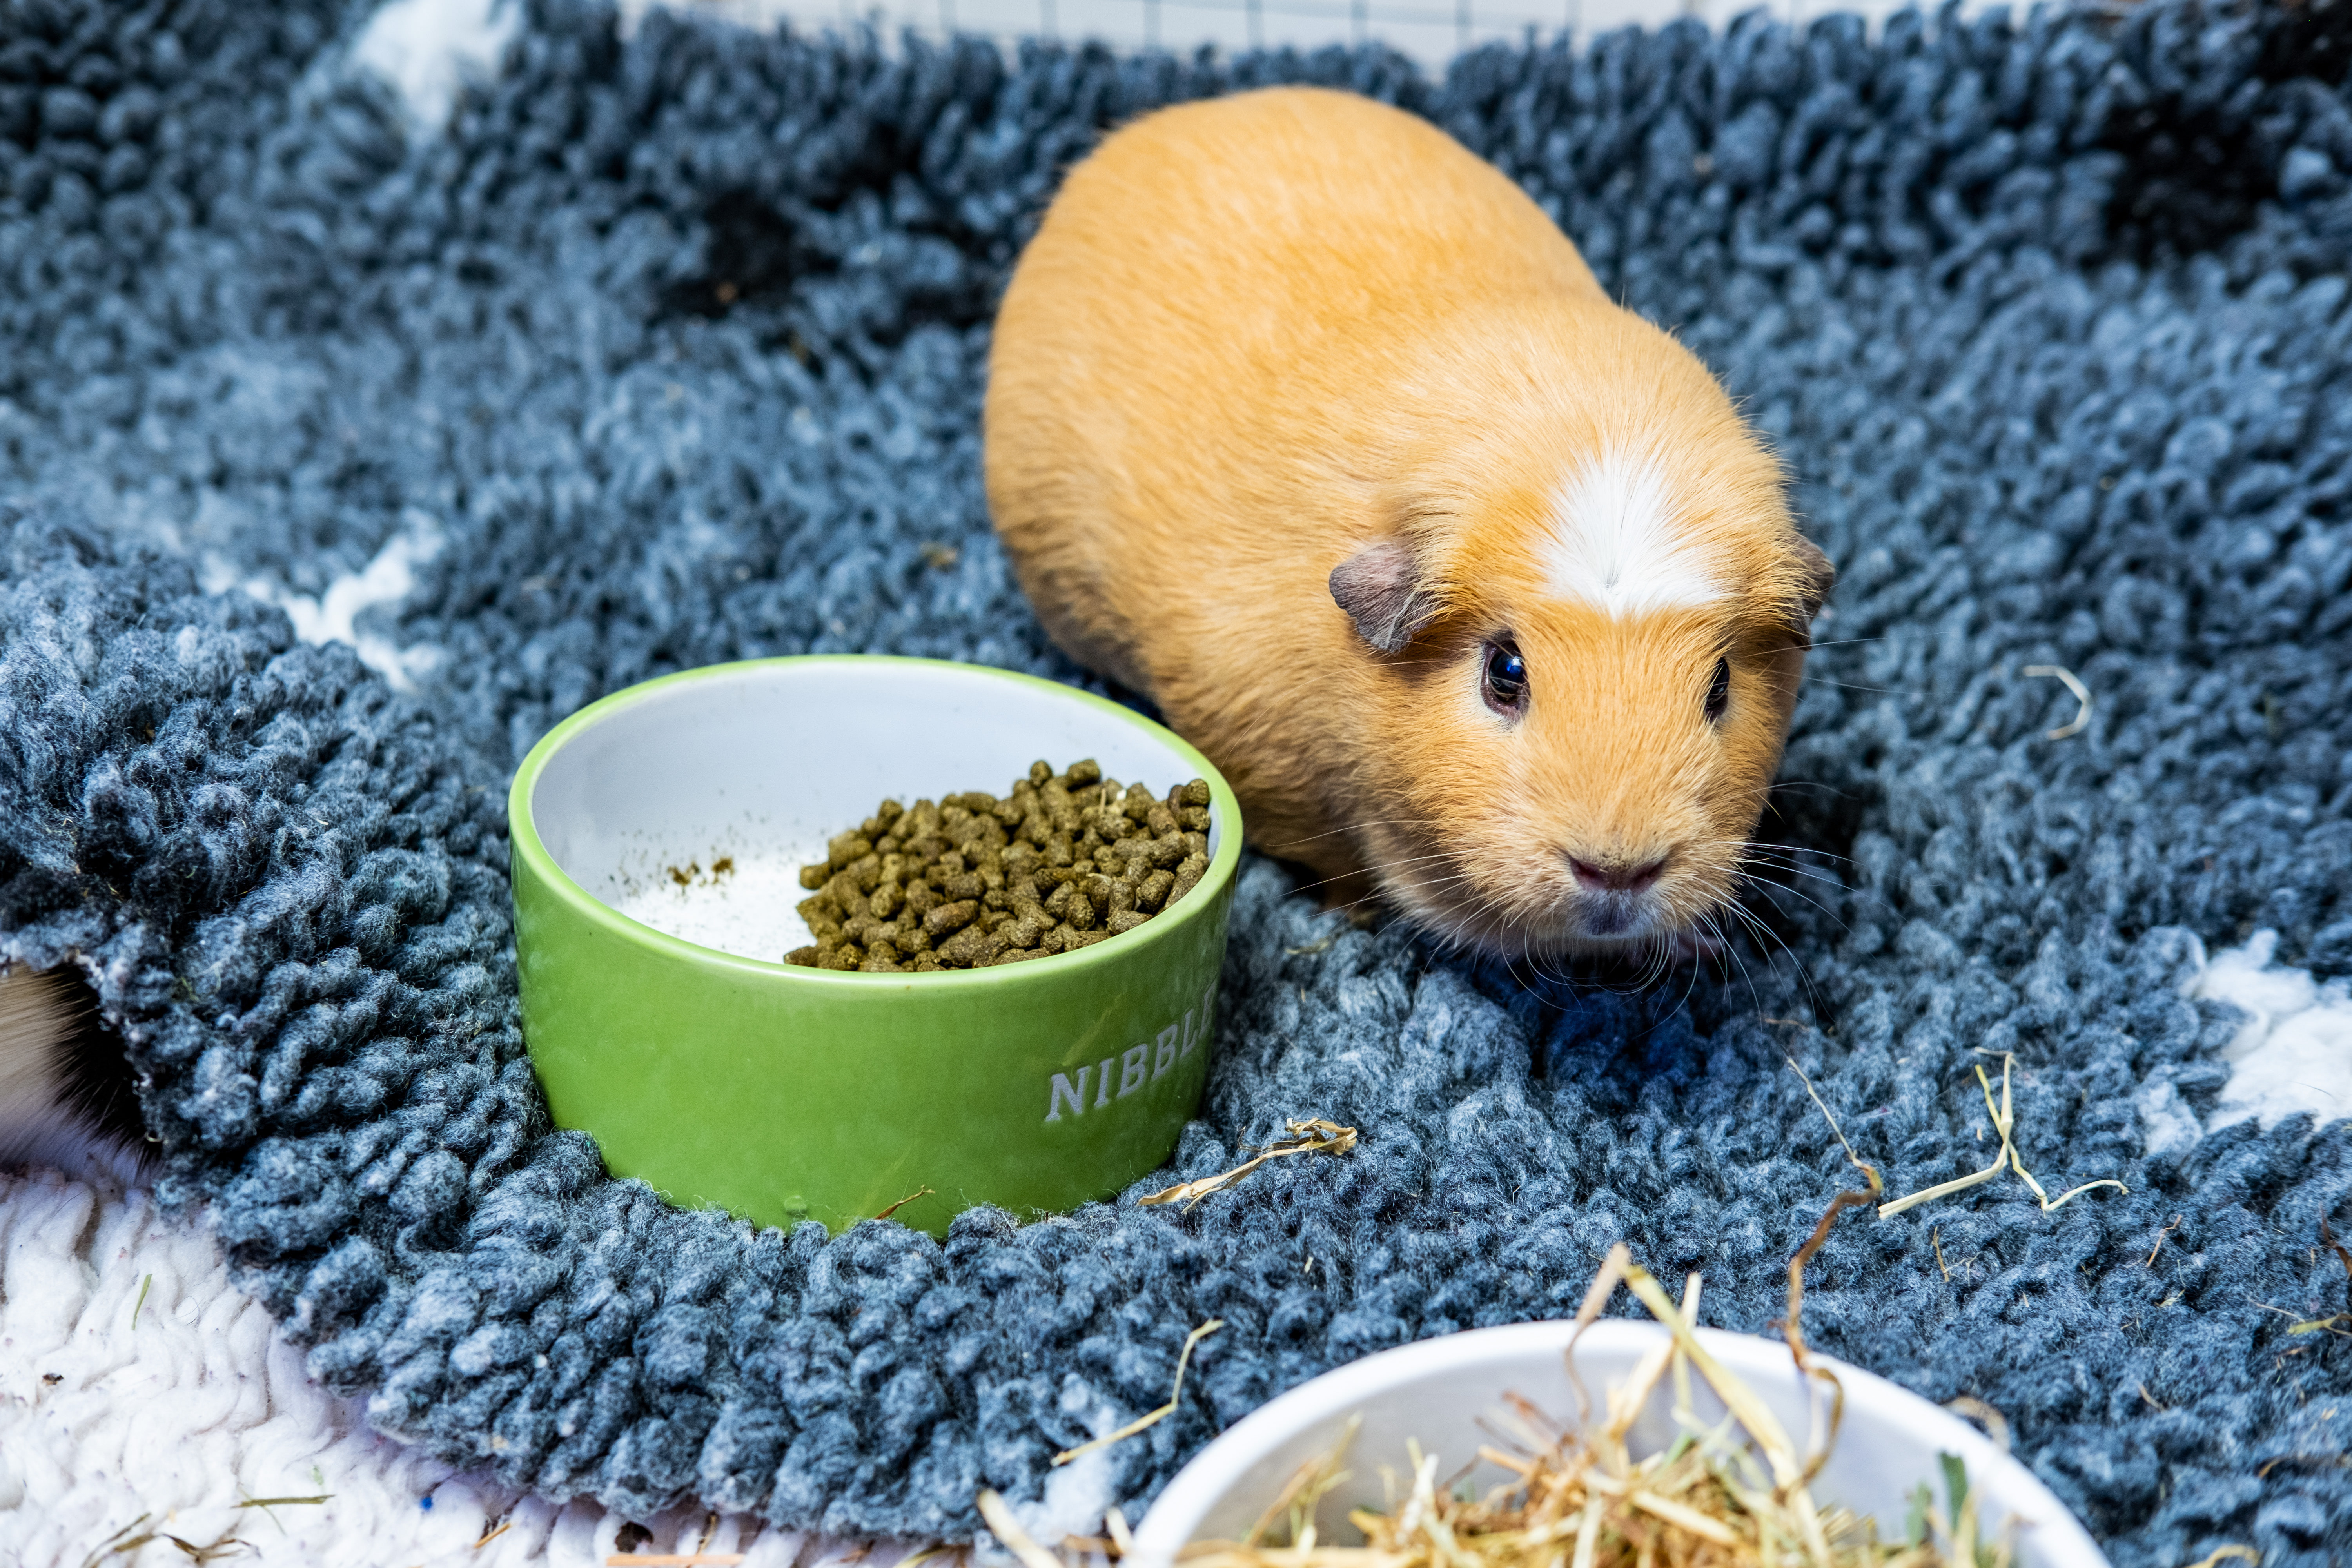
1617, 543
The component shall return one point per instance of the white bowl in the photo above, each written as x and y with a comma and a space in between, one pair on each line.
1445, 1392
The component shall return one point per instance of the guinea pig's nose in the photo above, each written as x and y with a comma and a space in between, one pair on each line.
1618, 878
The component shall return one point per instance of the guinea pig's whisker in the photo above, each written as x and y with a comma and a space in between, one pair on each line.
1842, 642
1784, 887
1804, 977
1663, 955
1368, 870
1457, 940
1811, 783
1765, 890
1881, 690
1408, 861
1762, 856
1760, 883
1352, 827
1413, 860
1792, 854
1781, 857
1809, 874
1732, 949
1748, 917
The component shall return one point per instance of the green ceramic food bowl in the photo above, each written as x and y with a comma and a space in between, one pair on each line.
658, 835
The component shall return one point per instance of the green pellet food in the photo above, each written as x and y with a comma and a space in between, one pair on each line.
1062, 862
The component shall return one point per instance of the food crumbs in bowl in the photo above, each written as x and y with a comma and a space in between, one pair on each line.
1060, 863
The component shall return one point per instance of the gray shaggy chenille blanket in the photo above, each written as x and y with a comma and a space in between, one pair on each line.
670, 351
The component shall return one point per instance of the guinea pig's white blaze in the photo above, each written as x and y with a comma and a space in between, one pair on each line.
1619, 540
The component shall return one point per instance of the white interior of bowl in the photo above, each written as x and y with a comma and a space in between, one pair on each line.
1448, 1394
758, 766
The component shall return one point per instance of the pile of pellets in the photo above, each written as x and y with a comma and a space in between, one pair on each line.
1063, 861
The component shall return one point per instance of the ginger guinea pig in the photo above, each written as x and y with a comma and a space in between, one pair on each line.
1309, 424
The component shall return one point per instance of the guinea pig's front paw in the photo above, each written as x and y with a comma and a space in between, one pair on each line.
1689, 946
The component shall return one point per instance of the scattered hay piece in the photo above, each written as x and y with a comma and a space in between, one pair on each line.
144, 1281
2082, 695
2173, 1226
1689, 1518
1791, 1327
269, 1505
2003, 1119
123, 1543
1311, 1137
1823, 1105
1995, 1424
1184, 1358
118, 1542
1007, 1529
910, 1197
2334, 1323
1303, 1490
2232, 1550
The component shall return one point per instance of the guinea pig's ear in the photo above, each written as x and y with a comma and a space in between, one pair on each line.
1813, 574
1380, 588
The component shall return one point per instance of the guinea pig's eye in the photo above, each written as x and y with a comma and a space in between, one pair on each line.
1504, 683
1718, 691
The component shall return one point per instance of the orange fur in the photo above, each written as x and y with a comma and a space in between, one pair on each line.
1256, 334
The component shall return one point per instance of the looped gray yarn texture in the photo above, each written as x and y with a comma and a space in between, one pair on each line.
670, 350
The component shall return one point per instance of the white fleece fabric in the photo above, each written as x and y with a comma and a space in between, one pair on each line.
142, 1395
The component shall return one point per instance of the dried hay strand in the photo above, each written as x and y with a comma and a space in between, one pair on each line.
2334, 1323
2003, 1120
2232, 1550
910, 1197
1175, 1396
2073, 684
1311, 1137
1009, 1534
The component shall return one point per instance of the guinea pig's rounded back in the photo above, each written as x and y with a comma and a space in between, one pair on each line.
1309, 424
1181, 348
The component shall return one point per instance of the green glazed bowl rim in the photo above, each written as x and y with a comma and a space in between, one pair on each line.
522, 831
